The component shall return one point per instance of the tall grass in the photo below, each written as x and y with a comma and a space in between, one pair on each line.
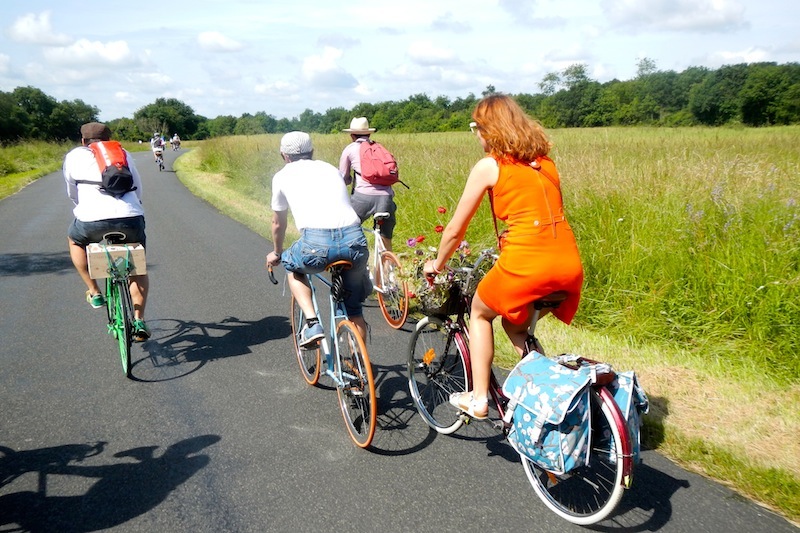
688, 236
22, 163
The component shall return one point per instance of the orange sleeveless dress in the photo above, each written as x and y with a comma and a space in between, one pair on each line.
539, 253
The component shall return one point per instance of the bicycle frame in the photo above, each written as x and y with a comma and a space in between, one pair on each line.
337, 313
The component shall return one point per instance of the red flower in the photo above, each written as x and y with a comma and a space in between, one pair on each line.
420, 238
442, 209
439, 228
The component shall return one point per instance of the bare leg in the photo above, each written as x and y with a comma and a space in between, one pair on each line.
361, 326
78, 255
298, 284
518, 334
481, 347
387, 243
140, 285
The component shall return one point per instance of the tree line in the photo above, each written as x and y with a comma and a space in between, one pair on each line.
754, 94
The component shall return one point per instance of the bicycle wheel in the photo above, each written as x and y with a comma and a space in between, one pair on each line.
436, 369
394, 298
309, 360
357, 395
118, 297
587, 494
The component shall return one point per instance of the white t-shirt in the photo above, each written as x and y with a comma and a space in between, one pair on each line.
91, 204
316, 194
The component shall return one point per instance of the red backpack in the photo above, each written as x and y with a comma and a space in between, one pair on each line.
117, 179
378, 165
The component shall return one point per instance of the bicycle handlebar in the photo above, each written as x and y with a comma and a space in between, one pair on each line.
272, 276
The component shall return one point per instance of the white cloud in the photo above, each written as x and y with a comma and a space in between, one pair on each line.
676, 15
91, 53
427, 54
749, 55
324, 71
213, 41
36, 29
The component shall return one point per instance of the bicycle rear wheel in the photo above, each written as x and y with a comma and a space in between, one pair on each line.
436, 369
120, 325
394, 298
309, 360
357, 395
587, 494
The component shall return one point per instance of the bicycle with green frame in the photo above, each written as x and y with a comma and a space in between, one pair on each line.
346, 360
118, 267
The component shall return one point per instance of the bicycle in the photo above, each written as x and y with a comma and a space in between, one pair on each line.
160, 160
346, 360
113, 259
387, 279
439, 364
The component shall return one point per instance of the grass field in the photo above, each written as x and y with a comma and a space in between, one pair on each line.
690, 240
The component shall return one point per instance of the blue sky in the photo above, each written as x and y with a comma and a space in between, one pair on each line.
245, 56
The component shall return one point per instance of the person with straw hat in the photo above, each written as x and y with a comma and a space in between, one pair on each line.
367, 198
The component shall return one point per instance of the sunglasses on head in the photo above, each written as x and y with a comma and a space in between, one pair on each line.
473, 127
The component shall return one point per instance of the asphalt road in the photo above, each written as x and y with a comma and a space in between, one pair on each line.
219, 432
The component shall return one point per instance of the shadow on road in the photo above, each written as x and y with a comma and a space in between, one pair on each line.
179, 347
36, 263
131, 486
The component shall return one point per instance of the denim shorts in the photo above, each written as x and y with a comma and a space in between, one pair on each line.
367, 205
317, 248
84, 233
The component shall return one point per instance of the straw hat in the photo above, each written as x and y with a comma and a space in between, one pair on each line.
359, 126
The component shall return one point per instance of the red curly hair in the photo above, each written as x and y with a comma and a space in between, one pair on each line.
508, 131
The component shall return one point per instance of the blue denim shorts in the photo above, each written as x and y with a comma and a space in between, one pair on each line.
84, 233
317, 248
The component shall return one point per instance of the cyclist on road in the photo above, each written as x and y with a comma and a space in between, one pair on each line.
330, 231
157, 145
97, 213
367, 198
538, 254
175, 141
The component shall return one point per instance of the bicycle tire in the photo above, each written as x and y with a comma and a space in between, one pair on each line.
309, 360
121, 321
588, 494
394, 298
436, 369
357, 394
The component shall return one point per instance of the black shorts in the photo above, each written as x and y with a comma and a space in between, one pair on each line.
84, 233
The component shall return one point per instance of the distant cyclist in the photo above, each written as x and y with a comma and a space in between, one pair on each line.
176, 142
157, 145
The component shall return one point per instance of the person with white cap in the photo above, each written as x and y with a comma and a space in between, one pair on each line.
330, 231
367, 198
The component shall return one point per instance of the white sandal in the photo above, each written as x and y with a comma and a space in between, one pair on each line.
465, 402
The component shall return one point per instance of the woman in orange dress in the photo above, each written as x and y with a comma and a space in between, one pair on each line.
539, 254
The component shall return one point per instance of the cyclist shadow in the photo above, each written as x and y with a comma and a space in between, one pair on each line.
180, 347
123, 490
400, 430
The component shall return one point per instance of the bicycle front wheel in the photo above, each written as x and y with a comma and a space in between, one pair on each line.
394, 298
436, 369
309, 360
357, 392
587, 494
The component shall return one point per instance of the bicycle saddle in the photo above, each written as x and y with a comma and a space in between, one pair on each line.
550, 301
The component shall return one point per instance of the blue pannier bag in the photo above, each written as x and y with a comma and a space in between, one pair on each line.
551, 408
633, 403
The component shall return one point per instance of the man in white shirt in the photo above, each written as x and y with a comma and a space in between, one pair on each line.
330, 231
97, 213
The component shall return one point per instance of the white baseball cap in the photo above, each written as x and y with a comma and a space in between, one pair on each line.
296, 142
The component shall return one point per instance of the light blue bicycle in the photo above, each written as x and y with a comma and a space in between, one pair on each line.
346, 360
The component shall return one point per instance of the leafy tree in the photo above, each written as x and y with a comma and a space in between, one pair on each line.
67, 118
38, 107
14, 121
168, 115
